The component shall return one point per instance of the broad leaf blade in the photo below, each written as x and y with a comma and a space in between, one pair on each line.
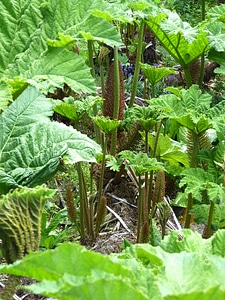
178, 43
21, 20
60, 66
31, 146
5, 96
102, 286
30, 107
74, 18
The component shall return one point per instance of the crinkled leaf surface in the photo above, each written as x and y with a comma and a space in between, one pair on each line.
154, 74
20, 21
141, 162
5, 96
75, 17
197, 180
216, 35
218, 245
31, 146
186, 274
185, 240
28, 26
191, 110
185, 45
98, 286
147, 272
173, 23
60, 66
217, 13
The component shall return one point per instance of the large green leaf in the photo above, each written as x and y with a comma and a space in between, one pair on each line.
197, 180
154, 74
20, 20
191, 110
217, 13
75, 18
141, 271
31, 146
184, 43
60, 66
97, 286
186, 240
29, 26
5, 96
218, 246
29, 108
20, 221
168, 150
216, 35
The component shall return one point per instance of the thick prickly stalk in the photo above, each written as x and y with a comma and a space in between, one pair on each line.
101, 213
109, 102
70, 205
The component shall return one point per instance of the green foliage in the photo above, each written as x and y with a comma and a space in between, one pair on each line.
106, 124
50, 236
20, 221
75, 110
31, 146
30, 27
182, 41
44, 44
201, 213
169, 150
139, 272
154, 74
188, 10
192, 110
197, 180
146, 115
141, 162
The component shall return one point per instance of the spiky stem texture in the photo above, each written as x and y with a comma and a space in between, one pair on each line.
70, 205
10, 287
101, 213
145, 233
160, 186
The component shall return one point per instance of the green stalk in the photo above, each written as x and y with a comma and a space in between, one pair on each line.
90, 57
153, 91
189, 207
82, 213
146, 174
95, 107
138, 60
85, 200
116, 100
140, 210
104, 146
187, 76
200, 80
150, 185
203, 9
210, 217
193, 164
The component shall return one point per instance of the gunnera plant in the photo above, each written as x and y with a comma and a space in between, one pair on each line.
109, 102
